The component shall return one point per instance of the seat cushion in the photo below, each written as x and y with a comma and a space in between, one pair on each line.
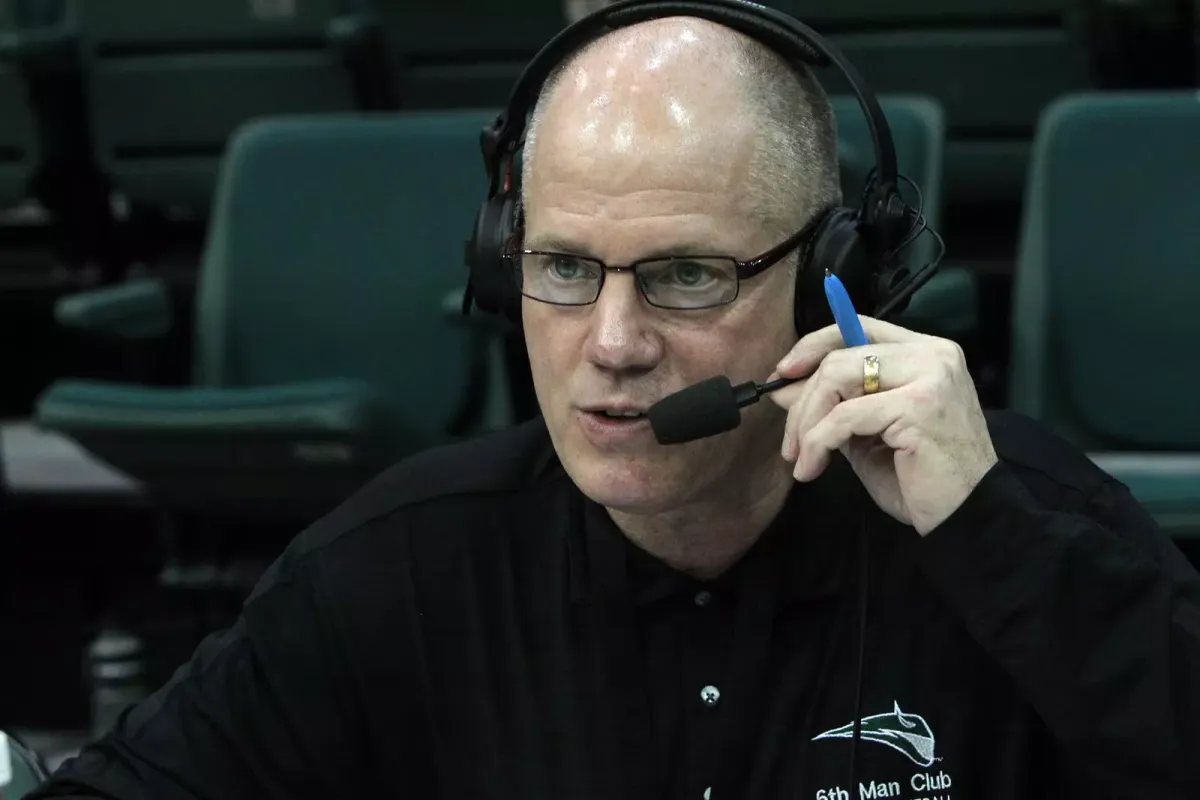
239, 450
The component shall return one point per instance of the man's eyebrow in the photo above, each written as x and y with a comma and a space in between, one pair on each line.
559, 244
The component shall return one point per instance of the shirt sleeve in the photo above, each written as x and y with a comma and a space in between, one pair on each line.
259, 712
1096, 615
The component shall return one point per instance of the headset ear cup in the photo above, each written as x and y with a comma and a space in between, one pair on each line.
492, 282
839, 248
903, 219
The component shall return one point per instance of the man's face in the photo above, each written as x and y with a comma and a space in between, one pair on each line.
630, 164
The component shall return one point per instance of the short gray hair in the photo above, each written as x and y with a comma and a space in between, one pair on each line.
794, 173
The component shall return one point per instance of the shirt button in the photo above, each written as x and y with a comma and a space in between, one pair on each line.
710, 696
703, 598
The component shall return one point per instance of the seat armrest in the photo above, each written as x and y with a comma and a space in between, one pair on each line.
284, 451
135, 310
1167, 485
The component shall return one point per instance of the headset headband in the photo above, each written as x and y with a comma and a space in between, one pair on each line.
784, 34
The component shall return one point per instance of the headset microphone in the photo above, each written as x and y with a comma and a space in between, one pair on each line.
706, 408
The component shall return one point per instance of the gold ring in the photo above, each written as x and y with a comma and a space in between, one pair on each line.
870, 374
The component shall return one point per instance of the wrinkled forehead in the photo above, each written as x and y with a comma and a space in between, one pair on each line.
641, 138
652, 120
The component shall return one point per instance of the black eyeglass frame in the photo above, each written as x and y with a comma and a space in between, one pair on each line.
743, 269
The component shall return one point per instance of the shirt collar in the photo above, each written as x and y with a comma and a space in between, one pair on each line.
805, 548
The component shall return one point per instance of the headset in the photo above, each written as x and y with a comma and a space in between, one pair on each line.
860, 245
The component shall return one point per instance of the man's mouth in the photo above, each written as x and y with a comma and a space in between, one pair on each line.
617, 413
613, 414
613, 424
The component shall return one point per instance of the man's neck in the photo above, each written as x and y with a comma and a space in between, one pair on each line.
706, 538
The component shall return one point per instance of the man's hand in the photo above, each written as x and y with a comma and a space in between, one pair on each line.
919, 444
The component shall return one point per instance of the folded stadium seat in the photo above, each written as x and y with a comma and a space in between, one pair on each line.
21, 770
947, 305
993, 64
468, 53
169, 82
1106, 290
322, 353
1145, 44
18, 136
41, 51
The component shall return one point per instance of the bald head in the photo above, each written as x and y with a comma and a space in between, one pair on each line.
673, 138
698, 96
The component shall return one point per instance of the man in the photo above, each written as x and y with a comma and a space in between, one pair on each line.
570, 610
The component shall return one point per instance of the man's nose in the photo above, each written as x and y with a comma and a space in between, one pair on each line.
622, 335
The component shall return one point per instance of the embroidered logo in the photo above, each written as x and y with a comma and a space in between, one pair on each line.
905, 733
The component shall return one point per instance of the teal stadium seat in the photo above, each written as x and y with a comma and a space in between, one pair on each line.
18, 135
21, 771
1107, 286
947, 305
168, 83
322, 352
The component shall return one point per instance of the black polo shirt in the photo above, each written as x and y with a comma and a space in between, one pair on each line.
470, 626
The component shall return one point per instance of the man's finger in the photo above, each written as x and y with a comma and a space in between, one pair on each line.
862, 416
807, 353
841, 374
800, 410
788, 395
879, 331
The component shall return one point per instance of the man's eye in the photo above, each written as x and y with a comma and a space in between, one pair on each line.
565, 268
687, 274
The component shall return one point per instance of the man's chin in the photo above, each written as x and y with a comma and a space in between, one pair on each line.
630, 486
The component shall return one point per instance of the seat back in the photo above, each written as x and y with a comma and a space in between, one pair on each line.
1108, 277
918, 129
333, 243
18, 135
21, 771
169, 82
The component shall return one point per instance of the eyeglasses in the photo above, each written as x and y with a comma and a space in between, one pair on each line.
687, 283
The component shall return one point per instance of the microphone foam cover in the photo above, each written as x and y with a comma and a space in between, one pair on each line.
701, 410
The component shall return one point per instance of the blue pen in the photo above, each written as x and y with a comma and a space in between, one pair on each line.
843, 312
